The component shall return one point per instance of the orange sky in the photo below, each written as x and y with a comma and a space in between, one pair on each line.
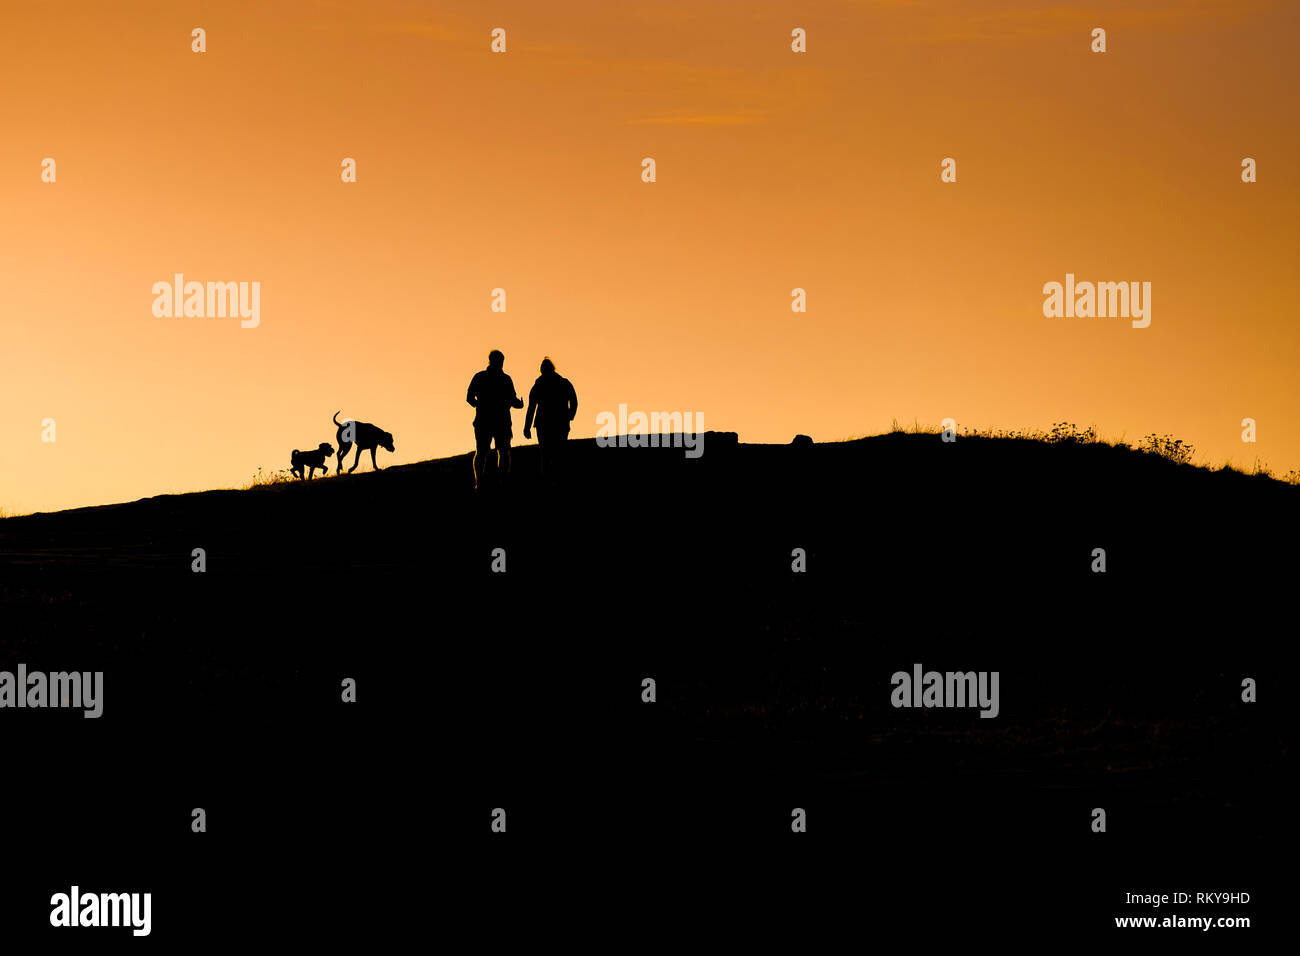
523, 171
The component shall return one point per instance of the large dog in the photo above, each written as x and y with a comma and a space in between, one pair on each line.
311, 460
365, 436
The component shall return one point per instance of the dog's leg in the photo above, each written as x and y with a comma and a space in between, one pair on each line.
355, 461
374, 464
344, 448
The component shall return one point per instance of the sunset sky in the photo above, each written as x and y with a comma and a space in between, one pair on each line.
522, 170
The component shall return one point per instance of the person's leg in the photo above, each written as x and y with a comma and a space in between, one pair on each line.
482, 448
555, 452
503, 454
546, 448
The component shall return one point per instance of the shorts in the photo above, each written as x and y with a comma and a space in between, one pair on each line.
484, 437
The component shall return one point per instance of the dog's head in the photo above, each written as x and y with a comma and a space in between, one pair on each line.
325, 448
386, 440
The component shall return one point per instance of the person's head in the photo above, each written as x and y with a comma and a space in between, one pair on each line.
496, 359
548, 367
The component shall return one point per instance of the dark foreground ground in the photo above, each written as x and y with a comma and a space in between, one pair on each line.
522, 690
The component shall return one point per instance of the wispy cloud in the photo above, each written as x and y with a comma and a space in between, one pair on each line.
744, 117
428, 30
957, 20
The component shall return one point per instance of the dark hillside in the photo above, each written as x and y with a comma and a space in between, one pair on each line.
522, 689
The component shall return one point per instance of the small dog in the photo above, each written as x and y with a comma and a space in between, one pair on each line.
365, 436
311, 460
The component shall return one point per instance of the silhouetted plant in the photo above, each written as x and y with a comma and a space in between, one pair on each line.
270, 477
1069, 433
1167, 446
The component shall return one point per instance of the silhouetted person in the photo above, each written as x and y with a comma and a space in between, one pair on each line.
555, 403
492, 393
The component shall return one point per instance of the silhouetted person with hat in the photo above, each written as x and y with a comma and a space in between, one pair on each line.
555, 403
492, 393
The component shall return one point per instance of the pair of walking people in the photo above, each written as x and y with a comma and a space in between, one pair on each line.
552, 404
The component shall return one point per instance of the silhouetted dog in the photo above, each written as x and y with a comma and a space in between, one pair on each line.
311, 460
365, 436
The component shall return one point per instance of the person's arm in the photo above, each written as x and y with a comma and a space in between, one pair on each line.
469, 393
515, 400
528, 416
573, 402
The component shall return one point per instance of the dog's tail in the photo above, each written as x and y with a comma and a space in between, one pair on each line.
336, 419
